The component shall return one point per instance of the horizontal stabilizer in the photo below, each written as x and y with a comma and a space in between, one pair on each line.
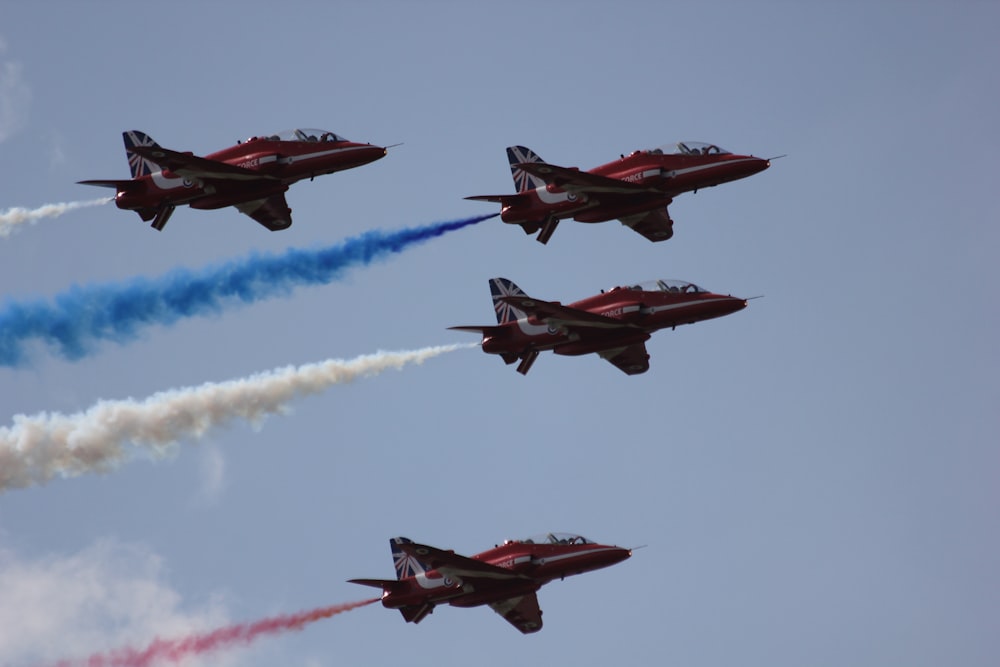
506, 200
486, 330
492, 198
118, 185
375, 583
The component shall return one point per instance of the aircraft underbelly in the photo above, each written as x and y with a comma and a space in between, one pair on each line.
504, 592
613, 210
233, 196
516, 215
598, 343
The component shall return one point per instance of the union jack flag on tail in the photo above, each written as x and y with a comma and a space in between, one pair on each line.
499, 288
139, 165
406, 565
523, 181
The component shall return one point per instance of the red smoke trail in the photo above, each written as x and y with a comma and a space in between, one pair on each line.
178, 649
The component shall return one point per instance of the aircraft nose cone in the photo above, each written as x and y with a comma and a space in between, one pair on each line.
619, 554
372, 152
732, 304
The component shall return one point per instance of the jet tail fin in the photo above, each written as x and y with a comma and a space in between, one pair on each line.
500, 288
405, 564
139, 165
523, 181
506, 312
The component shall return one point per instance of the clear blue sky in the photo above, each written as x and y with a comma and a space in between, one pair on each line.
815, 476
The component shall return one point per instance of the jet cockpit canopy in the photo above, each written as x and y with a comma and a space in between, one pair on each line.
678, 286
689, 148
303, 134
556, 538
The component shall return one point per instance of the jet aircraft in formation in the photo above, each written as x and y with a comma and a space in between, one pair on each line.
636, 189
506, 577
615, 324
252, 175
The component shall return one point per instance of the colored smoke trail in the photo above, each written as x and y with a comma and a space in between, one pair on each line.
36, 448
14, 217
175, 650
78, 317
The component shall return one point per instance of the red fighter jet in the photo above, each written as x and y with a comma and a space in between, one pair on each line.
252, 175
635, 189
505, 577
615, 323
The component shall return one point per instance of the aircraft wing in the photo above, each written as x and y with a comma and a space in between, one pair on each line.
451, 564
192, 166
632, 359
558, 315
272, 212
522, 612
655, 225
575, 180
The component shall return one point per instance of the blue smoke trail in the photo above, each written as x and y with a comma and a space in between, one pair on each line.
117, 311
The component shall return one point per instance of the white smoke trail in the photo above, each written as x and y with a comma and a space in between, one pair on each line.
13, 217
37, 448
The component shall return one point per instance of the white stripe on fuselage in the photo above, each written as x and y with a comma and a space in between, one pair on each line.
673, 306
312, 156
552, 559
701, 167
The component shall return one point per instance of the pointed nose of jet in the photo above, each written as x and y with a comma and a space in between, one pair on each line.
614, 555
727, 305
367, 153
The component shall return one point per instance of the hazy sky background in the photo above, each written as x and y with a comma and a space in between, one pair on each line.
815, 476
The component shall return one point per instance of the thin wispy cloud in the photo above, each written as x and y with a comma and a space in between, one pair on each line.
107, 594
212, 470
15, 95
